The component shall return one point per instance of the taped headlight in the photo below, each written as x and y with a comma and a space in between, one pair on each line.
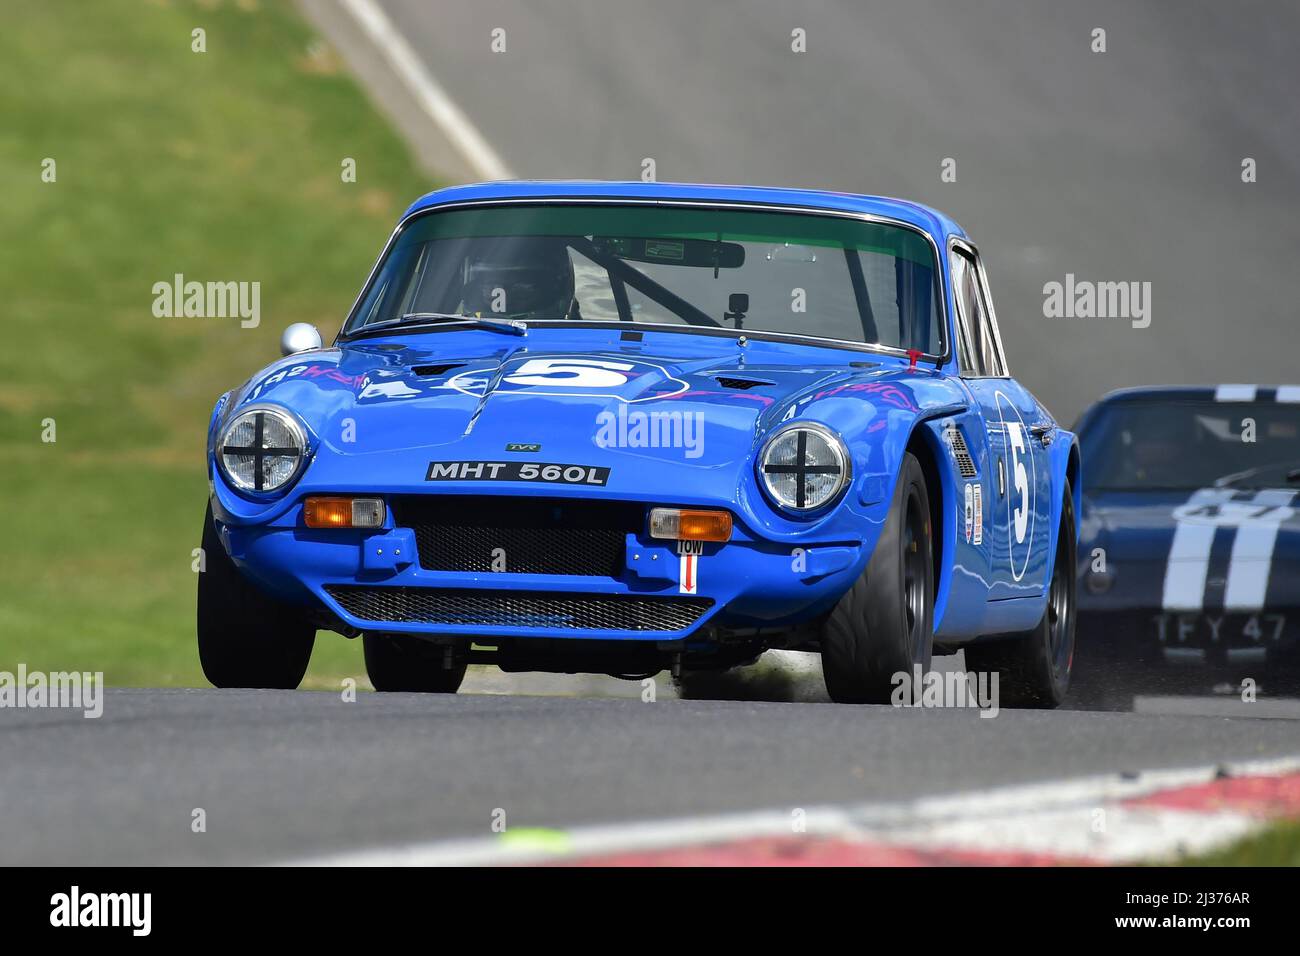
262, 450
804, 466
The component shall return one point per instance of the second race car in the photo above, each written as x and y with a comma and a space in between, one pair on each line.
1189, 551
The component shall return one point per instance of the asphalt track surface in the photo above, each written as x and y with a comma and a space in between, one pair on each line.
285, 775
1120, 166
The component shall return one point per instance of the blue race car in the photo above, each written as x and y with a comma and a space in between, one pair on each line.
1189, 551
623, 427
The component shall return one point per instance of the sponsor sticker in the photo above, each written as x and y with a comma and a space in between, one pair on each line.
979, 514
663, 249
538, 472
689, 556
970, 510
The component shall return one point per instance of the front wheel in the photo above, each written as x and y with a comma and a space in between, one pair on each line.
884, 625
1034, 668
246, 637
395, 663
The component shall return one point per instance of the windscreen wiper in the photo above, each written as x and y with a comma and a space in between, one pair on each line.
424, 319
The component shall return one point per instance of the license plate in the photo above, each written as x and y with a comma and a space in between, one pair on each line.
1229, 631
539, 472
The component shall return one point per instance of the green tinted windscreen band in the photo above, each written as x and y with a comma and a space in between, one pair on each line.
661, 222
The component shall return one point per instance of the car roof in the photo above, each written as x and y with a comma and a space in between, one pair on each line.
923, 217
1226, 392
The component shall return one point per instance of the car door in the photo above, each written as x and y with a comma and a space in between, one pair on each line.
1019, 511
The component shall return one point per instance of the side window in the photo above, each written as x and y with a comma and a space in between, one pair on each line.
992, 338
979, 350
968, 356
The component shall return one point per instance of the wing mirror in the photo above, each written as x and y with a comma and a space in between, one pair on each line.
299, 337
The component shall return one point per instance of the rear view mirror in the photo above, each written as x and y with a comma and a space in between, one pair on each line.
699, 253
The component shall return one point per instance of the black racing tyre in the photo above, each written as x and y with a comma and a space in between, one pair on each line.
1034, 667
397, 663
246, 637
884, 624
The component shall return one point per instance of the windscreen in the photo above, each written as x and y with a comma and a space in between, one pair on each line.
689, 267
1189, 445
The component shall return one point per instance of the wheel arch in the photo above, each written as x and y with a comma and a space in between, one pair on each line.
926, 444
1067, 465
1074, 474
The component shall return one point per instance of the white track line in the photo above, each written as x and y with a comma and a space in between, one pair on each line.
433, 99
1054, 818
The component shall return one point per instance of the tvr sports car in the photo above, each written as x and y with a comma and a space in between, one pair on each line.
626, 427
1189, 557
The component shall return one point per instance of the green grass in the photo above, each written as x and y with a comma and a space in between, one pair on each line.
1279, 845
223, 165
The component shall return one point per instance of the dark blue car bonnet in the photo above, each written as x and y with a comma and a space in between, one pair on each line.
1245, 555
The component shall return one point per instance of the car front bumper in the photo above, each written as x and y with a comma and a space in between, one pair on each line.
397, 579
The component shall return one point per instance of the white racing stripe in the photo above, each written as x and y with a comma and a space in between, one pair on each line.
433, 99
1235, 393
1252, 552
1189, 555
1288, 393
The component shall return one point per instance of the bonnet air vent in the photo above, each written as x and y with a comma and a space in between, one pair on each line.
739, 383
436, 369
957, 441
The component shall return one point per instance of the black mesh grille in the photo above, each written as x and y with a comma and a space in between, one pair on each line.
578, 612
965, 464
520, 535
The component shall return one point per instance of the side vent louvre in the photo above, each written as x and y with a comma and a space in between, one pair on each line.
957, 441
436, 369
